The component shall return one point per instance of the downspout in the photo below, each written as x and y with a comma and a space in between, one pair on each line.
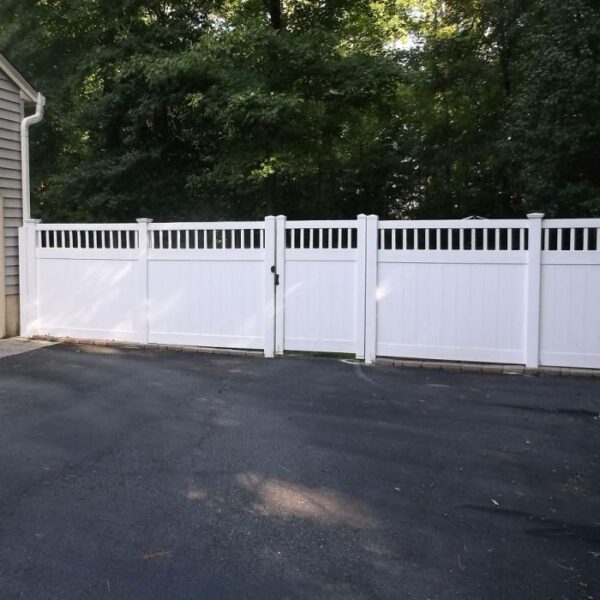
25, 124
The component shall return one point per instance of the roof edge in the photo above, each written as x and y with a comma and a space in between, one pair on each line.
18, 79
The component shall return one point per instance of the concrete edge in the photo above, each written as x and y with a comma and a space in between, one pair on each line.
471, 367
19, 345
465, 367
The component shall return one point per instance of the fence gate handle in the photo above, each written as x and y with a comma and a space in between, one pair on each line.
275, 274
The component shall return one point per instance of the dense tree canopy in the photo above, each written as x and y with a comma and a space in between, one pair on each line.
214, 109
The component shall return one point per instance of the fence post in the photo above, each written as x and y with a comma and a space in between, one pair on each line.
280, 288
270, 266
28, 276
144, 292
371, 245
532, 305
361, 283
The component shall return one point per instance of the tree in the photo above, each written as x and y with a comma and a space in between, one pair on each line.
214, 109
553, 125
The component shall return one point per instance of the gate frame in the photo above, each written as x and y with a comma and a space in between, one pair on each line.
366, 268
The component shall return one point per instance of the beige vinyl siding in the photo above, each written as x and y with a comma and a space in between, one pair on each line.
11, 112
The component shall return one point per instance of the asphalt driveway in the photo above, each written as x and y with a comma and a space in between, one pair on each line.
146, 474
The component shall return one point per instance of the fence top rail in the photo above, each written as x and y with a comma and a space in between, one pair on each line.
340, 223
322, 224
456, 224
86, 226
212, 225
570, 223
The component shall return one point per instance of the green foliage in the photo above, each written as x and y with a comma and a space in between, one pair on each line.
211, 109
554, 122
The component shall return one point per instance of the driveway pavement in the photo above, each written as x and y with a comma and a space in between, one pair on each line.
145, 474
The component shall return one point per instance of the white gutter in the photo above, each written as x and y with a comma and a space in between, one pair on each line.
25, 124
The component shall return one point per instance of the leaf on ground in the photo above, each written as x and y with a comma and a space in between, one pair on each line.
157, 554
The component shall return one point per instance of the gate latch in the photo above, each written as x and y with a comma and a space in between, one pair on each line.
275, 274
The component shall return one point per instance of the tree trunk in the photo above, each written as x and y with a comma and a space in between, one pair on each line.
275, 8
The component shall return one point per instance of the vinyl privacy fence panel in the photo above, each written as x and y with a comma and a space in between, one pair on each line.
570, 293
523, 291
83, 282
207, 284
452, 290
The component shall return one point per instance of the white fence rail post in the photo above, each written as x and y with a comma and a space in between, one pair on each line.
144, 292
533, 289
372, 227
270, 266
361, 264
28, 276
280, 288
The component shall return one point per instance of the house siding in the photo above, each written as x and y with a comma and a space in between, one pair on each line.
11, 114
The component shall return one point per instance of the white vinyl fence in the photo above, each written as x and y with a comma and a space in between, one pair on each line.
523, 291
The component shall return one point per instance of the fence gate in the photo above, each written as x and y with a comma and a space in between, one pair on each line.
320, 296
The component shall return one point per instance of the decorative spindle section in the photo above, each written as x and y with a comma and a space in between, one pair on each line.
321, 235
466, 235
571, 235
207, 236
87, 237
